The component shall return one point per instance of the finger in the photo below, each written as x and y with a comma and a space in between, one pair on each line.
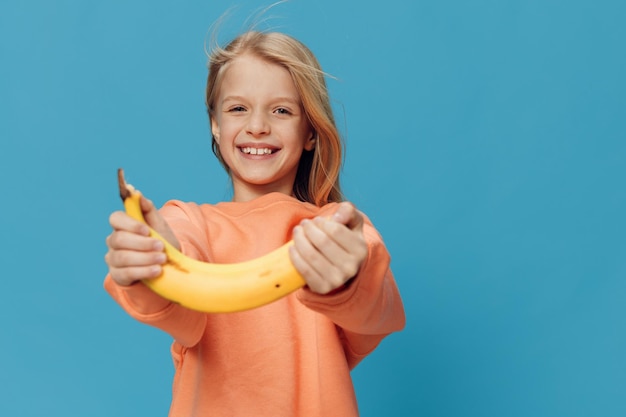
323, 272
151, 214
147, 207
122, 239
119, 220
311, 260
304, 268
342, 248
131, 258
154, 219
349, 241
348, 215
324, 236
314, 281
128, 276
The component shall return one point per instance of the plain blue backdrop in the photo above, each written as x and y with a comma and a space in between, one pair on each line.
486, 140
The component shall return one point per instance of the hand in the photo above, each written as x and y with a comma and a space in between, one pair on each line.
133, 255
329, 252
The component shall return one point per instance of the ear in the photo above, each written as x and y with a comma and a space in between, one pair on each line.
215, 130
309, 145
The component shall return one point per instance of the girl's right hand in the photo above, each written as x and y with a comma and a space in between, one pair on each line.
133, 255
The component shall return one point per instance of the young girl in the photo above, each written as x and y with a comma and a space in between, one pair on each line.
274, 132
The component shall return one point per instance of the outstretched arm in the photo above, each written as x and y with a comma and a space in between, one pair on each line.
346, 266
134, 256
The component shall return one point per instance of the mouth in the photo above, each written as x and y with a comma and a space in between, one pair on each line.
248, 150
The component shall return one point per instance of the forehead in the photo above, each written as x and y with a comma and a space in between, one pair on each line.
250, 75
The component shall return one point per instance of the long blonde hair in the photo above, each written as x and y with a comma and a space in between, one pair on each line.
317, 179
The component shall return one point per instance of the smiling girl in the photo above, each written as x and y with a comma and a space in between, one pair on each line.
274, 132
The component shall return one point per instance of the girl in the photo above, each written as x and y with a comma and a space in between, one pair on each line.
274, 132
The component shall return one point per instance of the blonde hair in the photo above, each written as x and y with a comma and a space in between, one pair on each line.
317, 179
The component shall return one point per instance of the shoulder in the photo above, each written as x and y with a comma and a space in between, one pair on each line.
180, 209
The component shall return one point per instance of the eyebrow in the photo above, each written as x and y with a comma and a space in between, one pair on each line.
294, 101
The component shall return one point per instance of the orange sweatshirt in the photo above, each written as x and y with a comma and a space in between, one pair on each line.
290, 358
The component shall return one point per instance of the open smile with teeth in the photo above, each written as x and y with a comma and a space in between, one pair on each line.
257, 151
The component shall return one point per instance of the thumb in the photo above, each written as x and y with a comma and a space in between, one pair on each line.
154, 219
149, 211
348, 215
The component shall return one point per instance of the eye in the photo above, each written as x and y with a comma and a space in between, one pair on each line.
236, 109
282, 110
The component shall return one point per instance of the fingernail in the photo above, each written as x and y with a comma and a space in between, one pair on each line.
155, 271
158, 245
161, 258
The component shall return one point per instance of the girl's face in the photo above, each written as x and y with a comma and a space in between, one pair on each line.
260, 127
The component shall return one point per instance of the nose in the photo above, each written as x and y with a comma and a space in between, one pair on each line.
258, 124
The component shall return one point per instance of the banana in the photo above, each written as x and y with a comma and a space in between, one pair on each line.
217, 288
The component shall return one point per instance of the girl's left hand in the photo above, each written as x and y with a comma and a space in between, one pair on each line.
329, 251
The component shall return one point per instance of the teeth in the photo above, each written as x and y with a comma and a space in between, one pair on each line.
256, 151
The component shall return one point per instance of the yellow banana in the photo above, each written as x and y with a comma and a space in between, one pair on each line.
217, 288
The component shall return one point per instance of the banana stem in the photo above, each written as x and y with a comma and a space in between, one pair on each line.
124, 191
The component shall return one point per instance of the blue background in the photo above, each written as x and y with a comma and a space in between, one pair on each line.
486, 140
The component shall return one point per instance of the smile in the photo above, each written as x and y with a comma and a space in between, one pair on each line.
257, 151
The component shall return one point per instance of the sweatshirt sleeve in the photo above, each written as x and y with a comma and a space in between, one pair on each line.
367, 310
140, 302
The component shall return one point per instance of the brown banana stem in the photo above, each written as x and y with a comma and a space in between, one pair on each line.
124, 191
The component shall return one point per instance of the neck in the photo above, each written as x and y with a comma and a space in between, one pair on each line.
246, 192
